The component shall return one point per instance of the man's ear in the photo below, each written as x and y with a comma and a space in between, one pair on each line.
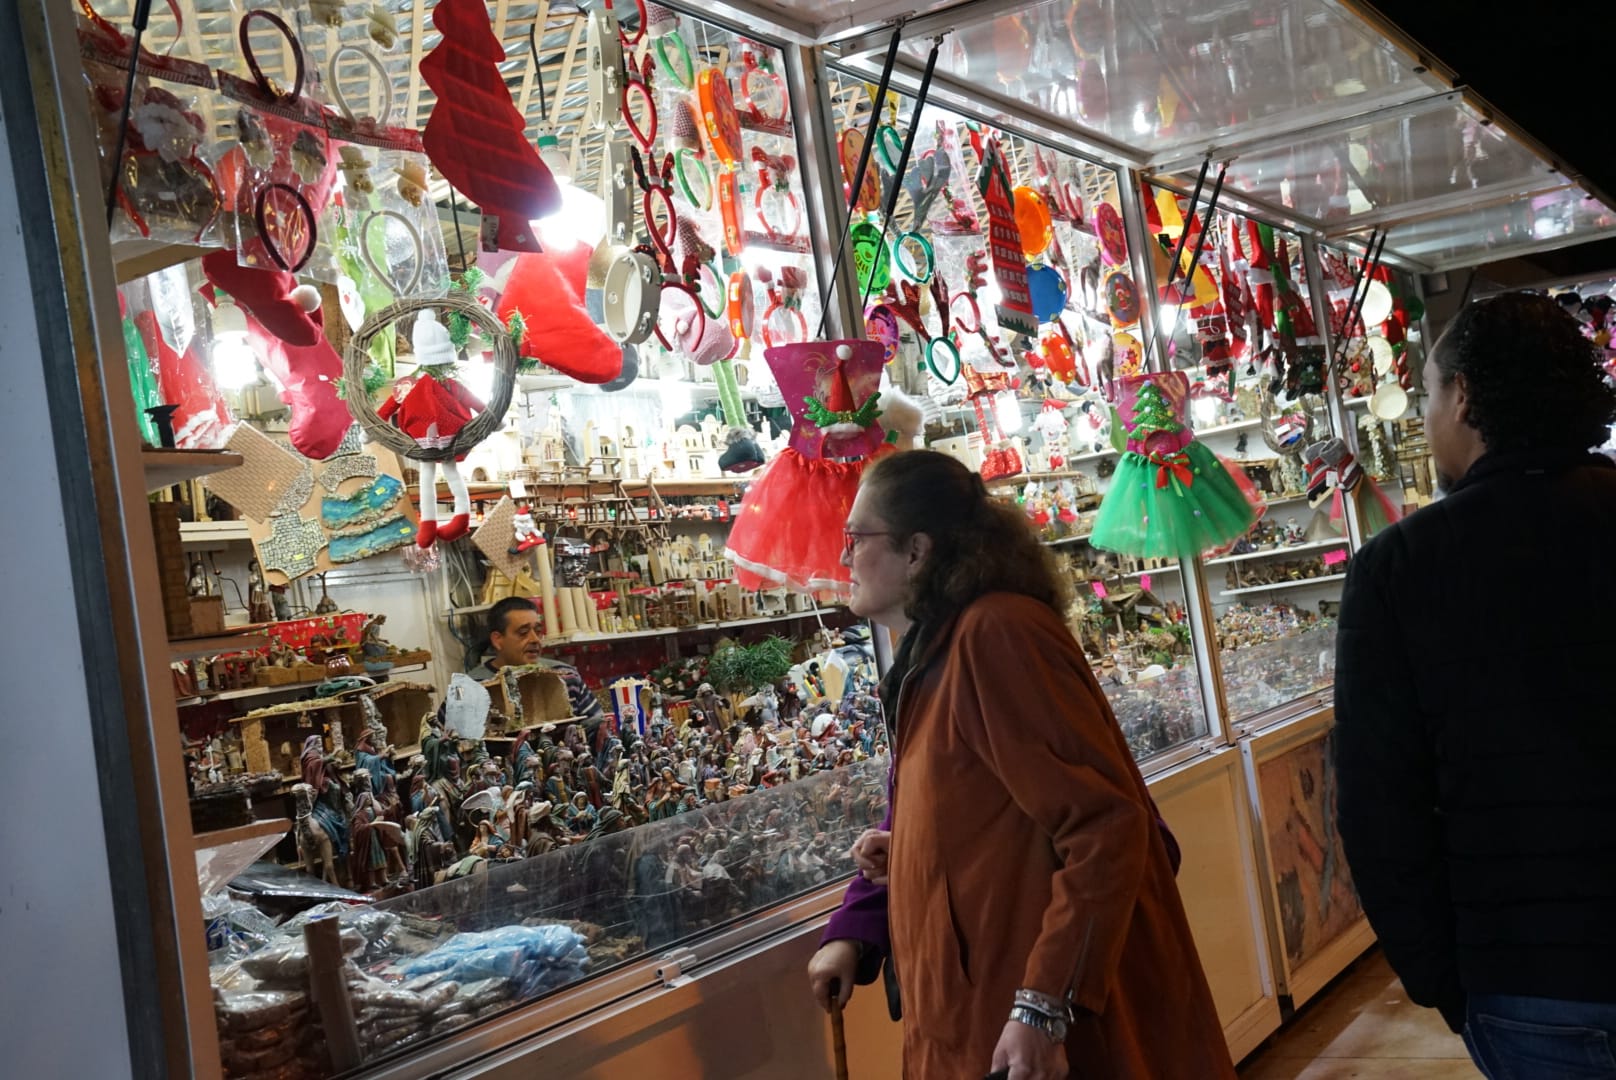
1461, 398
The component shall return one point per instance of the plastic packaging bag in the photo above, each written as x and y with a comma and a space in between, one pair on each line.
167, 190
278, 174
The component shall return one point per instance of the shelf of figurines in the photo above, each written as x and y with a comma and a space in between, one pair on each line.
166, 467
1300, 583
283, 688
1234, 427
192, 648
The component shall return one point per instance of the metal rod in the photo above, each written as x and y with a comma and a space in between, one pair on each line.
903, 158
1195, 260
138, 20
858, 174
1184, 234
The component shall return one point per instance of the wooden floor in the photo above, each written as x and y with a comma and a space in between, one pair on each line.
1363, 1026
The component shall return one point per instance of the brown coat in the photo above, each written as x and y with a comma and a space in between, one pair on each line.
1025, 855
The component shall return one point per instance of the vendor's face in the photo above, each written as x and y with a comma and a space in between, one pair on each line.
881, 570
522, 641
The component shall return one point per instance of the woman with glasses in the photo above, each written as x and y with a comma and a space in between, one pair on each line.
1023, 901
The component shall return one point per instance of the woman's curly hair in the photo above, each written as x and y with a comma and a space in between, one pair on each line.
1533, 380
978, 544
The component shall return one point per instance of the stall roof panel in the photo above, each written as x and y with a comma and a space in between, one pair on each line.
1174, 77
1447, 156
1530, 224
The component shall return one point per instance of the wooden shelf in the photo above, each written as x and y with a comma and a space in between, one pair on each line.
1080, 539
136, 258
681, 488
283, 688
1159, 570
165, 468
193, 647
214, 532
276, 827
1283, 585
699, 628
1318, 545
1039, 477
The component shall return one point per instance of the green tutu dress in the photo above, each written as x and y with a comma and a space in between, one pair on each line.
1171, 497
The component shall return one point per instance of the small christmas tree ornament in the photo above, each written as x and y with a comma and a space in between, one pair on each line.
1170, 497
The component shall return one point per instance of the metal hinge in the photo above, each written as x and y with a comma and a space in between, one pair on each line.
673, 967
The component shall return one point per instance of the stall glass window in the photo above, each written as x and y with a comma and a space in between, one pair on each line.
1004, 291
1247, 339
743, 749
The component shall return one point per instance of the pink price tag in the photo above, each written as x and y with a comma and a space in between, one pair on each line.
1099, 590
1144, 582
1334, 558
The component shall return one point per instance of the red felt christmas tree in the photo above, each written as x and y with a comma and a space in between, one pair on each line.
476, 136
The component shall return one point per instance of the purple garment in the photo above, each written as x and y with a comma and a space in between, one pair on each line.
863, 917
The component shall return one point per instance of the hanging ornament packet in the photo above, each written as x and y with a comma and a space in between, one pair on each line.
167, 190
1170, 497
277, 174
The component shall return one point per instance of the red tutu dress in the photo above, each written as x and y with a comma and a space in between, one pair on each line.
788, 530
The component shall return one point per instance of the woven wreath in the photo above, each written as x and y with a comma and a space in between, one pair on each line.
357, 356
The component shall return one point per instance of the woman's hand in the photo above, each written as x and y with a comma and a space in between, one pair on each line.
1028, 1054
835, 964
870, 855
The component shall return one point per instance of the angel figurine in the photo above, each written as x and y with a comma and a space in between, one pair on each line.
431, 408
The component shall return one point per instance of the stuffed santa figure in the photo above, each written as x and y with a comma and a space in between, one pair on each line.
431, 408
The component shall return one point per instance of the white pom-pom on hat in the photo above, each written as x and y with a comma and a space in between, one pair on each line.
306, 297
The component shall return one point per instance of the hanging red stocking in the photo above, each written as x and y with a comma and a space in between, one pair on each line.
557, 329
475, 135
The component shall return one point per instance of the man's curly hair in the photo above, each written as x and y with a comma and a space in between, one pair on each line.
1534, 381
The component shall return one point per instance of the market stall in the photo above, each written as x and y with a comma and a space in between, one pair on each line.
406, 310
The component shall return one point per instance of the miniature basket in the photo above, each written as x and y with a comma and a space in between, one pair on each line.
484, 424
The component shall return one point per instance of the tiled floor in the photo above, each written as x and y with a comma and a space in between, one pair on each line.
1363, 1026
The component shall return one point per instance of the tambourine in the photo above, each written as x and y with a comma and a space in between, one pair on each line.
605, 71
619, 194
718, 115
850, 148
729, 206
741, 306
881, 324
870, 257
1033, 221
1113, 240
632, 297
1047, 292
1128, 355
1121, 299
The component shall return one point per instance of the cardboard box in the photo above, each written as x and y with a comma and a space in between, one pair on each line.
541, 698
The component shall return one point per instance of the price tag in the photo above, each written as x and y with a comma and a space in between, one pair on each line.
1144, 583
1334, 558
1099, 590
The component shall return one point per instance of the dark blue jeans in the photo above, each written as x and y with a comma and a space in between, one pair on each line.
1526, 1038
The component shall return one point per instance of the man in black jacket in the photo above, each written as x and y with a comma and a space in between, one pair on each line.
1475, 731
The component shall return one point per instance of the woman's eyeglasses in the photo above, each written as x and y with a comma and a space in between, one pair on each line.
850, 540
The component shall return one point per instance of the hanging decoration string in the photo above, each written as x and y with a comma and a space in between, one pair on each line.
1195, 262
903, 158
138, 19
858, 173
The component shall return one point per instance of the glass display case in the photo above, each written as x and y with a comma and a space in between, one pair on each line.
1009, 287
1022, 395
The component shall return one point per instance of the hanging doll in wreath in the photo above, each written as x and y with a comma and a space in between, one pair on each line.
431, 407
1171, 497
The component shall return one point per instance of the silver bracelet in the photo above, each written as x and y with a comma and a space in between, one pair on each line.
1052, 1027
1045, 1004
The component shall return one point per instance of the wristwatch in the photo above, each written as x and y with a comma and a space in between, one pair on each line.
1053, 1028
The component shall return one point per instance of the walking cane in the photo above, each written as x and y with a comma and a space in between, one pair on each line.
837, 1031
